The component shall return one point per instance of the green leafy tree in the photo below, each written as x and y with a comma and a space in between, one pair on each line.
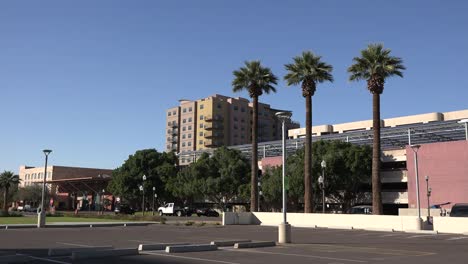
158, 167
346, 176
31, 194
7, 180
257, 80
308, 70
375, 65
220, 178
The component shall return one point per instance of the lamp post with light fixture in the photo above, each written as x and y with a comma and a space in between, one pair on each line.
415, 149
41, 216
284, 229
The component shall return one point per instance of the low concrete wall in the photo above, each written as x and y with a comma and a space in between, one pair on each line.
383, 222
414, 212
230, 218
455, 225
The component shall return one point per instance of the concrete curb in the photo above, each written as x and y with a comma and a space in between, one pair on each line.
158, 246
191, 248
69, 251
380, 229
341, 227
228, 243
82, 224
428, 232
15, 259
104, 253
255, 244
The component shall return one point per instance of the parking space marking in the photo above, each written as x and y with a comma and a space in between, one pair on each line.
71, 244
371, 250
295, 255
185, 257
50, 260
457, 238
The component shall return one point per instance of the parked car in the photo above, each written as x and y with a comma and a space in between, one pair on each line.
124, 209
361, 209
459, 210
171, 209
207, 212
26, 208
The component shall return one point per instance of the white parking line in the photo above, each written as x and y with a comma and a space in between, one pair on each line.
184, 257
457, 238
50, 260
71, 244
296, 255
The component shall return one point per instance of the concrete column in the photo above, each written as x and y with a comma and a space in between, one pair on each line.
284, 233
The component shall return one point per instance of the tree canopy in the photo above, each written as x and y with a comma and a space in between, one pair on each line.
158, 168
347, 173
219, 178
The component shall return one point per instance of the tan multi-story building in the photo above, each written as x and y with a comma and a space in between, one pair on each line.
217, 121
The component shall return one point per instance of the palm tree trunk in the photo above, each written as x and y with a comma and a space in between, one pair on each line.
5, 197
376, 184
308, 199
254, 168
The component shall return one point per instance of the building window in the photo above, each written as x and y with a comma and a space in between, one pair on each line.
183, 144
168, 113
174, 112
235, 135
189, 127
189, 144
242, 109
190, 119
183, 128
219, 106
201, 134
201, 106
236, 108
49, 175
200, 142
201, 125
235, 126
189, 135
183, 136
183, 160
174, 123
201, 117
190, 109
235, 119
168, 147
168, 123
184, 121
242, 120
184, 110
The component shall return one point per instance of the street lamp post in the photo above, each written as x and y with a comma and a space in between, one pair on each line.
102, 201
323, 164
415, 149
41, 219
284, 229
142, 188
259, 193
154, 196
428, 191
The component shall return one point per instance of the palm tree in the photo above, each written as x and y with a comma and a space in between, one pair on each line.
308, 70
374, 66
257, 80
7, 179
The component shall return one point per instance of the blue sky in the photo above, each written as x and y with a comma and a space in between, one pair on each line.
92, 79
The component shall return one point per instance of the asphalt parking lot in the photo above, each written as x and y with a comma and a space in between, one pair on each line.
322, 246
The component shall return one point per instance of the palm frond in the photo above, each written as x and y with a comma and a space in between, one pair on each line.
308, 66
254, 75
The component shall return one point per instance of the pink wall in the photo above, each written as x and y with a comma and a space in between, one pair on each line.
272, 162
446, 164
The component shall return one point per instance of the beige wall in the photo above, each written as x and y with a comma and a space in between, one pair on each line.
454, 115
414, 119
384, 222
455, 225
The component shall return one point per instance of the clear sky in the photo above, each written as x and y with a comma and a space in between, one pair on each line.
91, 79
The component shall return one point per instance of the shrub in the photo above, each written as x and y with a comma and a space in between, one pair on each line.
189, 223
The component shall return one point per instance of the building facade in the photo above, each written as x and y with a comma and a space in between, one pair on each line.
217, 121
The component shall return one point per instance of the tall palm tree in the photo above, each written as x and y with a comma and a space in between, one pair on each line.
308, 70
7, 179
257, 80
375, 65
